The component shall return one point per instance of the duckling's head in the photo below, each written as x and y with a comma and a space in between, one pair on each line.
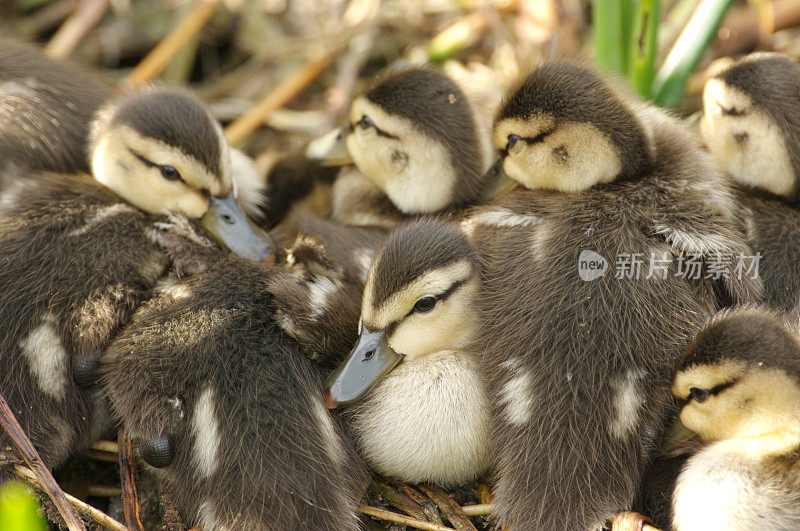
566, 129
161, 150
414, 134
751, 122
740, 378
418, 300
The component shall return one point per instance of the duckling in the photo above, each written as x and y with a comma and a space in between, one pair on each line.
48, 109
578, 340
78, 253
213, 383
415, 136
420, 412
740, 385
751, 124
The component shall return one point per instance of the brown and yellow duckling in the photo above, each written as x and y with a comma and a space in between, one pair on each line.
740, 385
751, 124
80, 252
419, 409
578, 342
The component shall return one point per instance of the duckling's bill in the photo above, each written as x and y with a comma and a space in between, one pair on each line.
228, 224
330, 149
370, 360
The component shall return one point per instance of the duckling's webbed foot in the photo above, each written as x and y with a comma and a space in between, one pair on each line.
158, 452
84, 371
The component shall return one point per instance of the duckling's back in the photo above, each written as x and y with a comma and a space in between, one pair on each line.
46, 108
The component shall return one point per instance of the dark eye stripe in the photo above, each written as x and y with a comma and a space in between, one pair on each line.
442, 296
721, 387
146, 162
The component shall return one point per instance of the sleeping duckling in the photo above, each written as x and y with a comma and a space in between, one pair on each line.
218, 395
581, 354
48, 109
422, 413
740, 382
415, 136
77, 256
751, 124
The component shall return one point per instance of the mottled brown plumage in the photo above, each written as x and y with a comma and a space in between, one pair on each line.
581, 362
214, 391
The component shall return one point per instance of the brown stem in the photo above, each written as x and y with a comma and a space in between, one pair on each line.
449, 507
70, 33
127, 476
287, 90
389, 516
41, 473
158, 58
95, 514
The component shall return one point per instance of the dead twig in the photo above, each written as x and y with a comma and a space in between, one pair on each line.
398, 500
389, 516
96, 515
631, 521
481, 509
69, 34
158, 58
451, 510
105, 446
37, 468
286, 91
428, 507
127, 475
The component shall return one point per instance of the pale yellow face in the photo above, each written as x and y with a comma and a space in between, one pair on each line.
564, 157
412, 169
744, 140
426, 318
138, 169
756, 403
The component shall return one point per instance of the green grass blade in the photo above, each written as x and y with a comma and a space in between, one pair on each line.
609, 35
670, 81
643, 46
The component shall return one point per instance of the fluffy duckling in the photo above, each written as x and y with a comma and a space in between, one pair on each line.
213, 382
77, 256
414, 135
420, 412
578, 340
751, 124
740, 383
48, 110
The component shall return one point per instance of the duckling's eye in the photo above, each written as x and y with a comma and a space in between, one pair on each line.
512, 141
425, 304
732, 111
365, 122
170, 173
698, 395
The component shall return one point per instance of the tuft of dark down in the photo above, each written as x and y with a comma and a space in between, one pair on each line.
436, 245
46, 108
206, 363
752, 335
437, 106
573, 93
175, 117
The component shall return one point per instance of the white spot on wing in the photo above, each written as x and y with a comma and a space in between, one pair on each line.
627, 402
503, 217
102, 215
206, 433
333, 445
47, 357
517, 397
319, 290
702, 244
